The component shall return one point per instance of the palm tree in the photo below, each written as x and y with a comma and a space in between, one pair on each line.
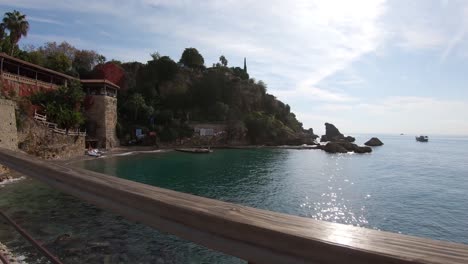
16, 23
2, 31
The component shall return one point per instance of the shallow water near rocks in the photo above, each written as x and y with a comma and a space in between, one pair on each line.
404, 186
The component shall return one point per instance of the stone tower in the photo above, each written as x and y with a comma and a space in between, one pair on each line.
101, 113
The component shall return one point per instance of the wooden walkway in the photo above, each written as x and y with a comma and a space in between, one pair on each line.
255, 235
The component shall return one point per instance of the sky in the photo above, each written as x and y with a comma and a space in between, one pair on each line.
366, 66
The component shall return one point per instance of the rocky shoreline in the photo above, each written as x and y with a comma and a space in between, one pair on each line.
9, 256
8, 176
332, 142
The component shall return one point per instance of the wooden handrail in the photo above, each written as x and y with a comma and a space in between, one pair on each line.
54, 126
256, 235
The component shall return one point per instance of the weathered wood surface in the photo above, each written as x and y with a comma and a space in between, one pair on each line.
255, 235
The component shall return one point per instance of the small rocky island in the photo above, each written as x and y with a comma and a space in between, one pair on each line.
374, 142
338, 143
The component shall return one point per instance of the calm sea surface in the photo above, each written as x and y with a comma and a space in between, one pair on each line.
404, 186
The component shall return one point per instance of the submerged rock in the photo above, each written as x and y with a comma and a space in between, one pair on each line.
373, 142
63, 237
361, 150
333, 147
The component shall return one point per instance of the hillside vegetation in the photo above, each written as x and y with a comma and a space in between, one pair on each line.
165, 96
162, 95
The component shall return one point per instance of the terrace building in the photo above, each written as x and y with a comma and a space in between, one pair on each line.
22, 78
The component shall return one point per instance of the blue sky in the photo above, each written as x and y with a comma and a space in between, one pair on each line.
367, 66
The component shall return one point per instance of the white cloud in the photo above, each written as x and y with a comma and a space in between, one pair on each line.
105, 33
299, 48
302, 41
313, 94
421, 38
421, 115
437, 26
458, 37
398, 114
76, 41
44, 20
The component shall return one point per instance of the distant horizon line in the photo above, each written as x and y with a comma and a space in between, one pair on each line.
405, 134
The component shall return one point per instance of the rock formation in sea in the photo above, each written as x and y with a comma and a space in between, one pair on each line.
333, 147
338, 143
344, 147
373, 142
333, 134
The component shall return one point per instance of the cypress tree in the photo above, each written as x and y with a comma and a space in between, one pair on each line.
245, 65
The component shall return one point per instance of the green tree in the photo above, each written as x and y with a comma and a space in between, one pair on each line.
262, 87
35, 57
7, 46
223, 60
165, 68
152, 79
58, 62
220, 111
239, 72
62, 105
135, 104
101, 59
264, 128
17, 25
50, 48
85, 60
2, 31
192, 58
155, 55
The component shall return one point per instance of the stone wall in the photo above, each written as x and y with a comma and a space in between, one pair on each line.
23, 86
101, 115
36, 139
8, 131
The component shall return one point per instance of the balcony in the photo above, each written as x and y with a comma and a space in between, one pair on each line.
27, 80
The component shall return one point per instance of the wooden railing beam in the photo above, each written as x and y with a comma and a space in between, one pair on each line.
255, 235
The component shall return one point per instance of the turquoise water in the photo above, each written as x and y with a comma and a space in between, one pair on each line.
404, 186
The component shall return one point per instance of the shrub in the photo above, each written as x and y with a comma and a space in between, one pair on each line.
62, 106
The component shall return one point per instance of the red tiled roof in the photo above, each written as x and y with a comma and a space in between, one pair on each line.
101, 81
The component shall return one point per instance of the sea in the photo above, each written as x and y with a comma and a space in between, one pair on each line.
404, 186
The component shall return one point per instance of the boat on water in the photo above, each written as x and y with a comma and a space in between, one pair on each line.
422, 139
94, 152
195, 150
